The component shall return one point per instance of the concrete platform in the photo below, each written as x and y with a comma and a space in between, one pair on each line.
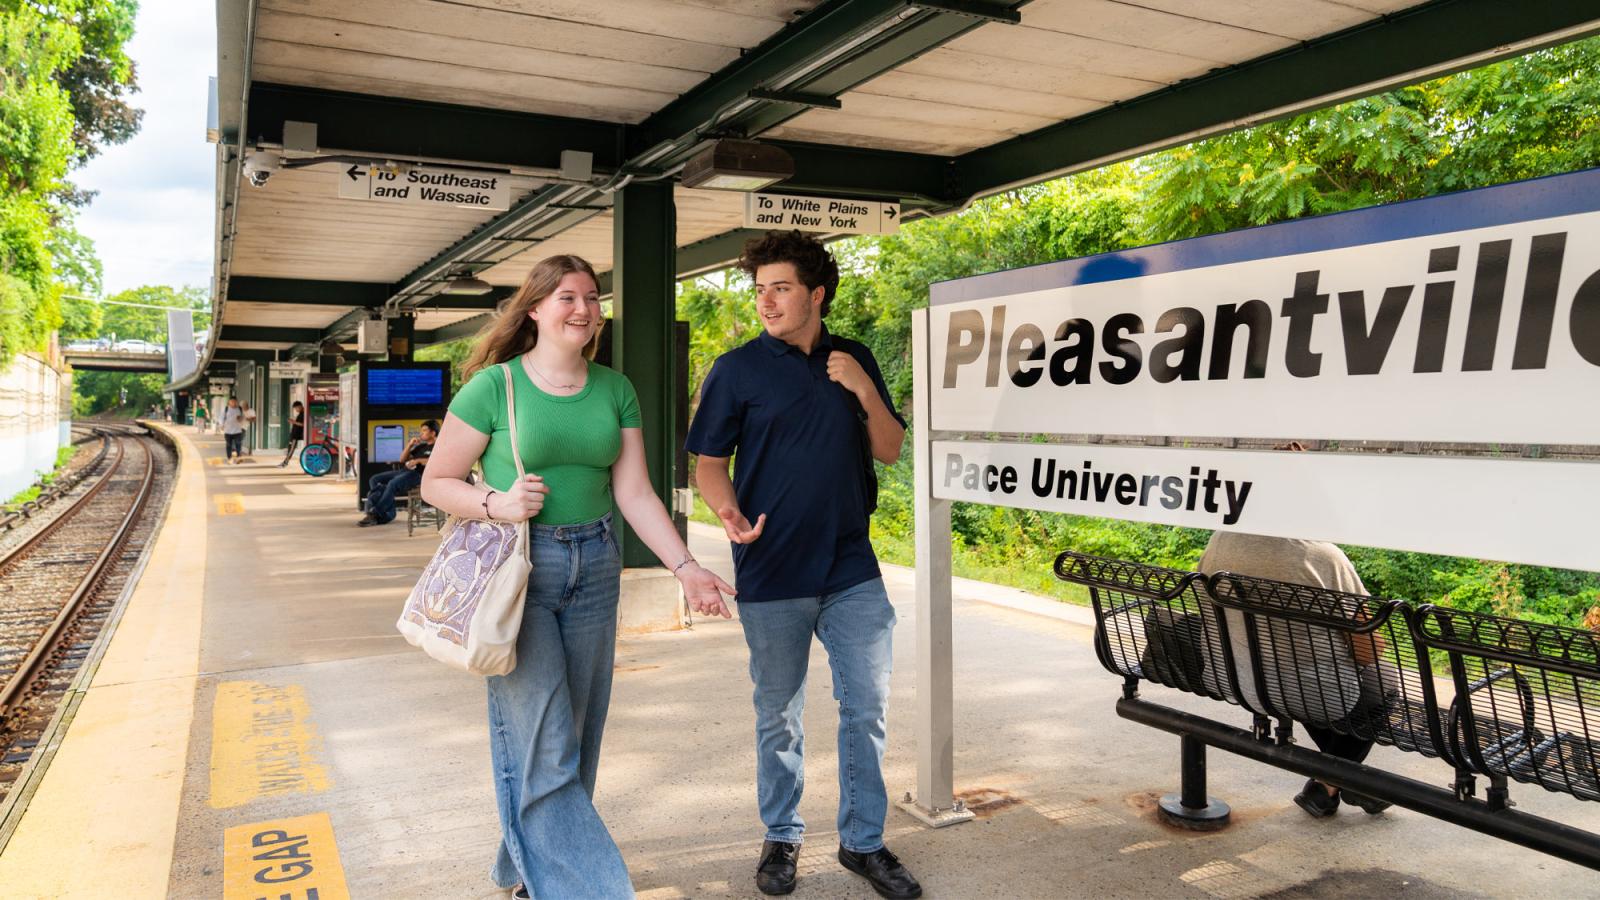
259, 728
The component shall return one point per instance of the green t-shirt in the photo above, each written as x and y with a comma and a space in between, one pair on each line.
570, 442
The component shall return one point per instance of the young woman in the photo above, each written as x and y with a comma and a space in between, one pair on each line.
578, 433
233, 430
297, 431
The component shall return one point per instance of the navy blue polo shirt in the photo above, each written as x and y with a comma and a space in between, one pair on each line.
797, 442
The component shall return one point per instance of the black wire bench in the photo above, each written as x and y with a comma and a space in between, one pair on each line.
1512, 700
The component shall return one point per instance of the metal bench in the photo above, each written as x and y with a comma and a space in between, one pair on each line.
1523, 707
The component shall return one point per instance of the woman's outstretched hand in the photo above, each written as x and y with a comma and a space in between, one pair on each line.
704, 590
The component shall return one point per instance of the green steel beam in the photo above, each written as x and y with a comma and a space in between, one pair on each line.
235, 354
1427, 41
308, 291
829, 50
269, 334
644, 279
389, 126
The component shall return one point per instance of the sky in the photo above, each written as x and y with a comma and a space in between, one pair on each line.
152, 222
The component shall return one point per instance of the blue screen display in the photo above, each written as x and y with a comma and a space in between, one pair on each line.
405, 387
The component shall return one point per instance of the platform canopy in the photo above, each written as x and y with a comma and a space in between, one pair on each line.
931, 104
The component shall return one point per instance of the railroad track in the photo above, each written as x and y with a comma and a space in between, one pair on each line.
59, 585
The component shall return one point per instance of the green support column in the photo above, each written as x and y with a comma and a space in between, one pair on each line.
644, 277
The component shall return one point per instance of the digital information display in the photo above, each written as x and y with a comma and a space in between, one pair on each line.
405, 387
388, 442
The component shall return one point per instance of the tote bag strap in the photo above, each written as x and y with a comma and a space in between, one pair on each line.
511, 419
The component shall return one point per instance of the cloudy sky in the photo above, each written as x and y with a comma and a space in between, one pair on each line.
152, 220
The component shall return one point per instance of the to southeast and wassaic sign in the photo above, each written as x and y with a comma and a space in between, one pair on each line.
1473, 317
424, 186
825, 215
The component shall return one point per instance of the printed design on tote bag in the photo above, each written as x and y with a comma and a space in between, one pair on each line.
455, 580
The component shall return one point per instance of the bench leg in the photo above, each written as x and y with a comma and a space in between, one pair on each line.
1192, 809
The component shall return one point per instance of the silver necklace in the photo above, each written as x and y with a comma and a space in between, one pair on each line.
546, 378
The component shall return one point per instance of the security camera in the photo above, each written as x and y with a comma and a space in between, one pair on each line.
259, 166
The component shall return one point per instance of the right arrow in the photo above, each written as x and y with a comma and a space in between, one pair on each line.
354, 172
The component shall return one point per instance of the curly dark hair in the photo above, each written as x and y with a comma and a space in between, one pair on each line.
812, 261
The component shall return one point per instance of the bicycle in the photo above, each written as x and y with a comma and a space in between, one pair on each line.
318, 455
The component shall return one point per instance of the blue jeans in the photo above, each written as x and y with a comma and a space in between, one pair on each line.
546, 718
856, 627
385, 486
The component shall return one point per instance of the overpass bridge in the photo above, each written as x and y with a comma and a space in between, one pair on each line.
115, 361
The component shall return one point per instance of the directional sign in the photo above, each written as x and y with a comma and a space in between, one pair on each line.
832, 215
424, 186
294, 370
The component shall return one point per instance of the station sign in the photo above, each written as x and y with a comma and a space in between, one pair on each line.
1468, 318
292, 370
1521, 510
426, 186
829, 215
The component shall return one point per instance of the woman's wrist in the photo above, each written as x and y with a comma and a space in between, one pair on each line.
688, 563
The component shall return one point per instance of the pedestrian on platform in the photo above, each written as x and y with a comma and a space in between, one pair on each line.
297, 431
233, 430
807, 412
386, 486
579, 435
201, 414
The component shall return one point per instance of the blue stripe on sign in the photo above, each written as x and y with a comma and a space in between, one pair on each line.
1519, 201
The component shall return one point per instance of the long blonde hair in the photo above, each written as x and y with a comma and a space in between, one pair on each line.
512, 333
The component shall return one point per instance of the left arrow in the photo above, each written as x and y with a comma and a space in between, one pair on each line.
354, 172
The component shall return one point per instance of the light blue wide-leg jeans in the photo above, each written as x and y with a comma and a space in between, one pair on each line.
546, 718
856, 627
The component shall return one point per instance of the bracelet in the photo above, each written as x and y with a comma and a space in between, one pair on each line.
486, 512
686, 561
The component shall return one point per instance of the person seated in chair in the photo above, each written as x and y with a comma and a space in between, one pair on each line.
386, 486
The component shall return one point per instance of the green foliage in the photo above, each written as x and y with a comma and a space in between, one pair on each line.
62, 73
454, 352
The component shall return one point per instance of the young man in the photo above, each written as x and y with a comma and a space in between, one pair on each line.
386, 486
802, 409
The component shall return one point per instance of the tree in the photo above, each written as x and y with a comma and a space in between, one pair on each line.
101, 78
98, 392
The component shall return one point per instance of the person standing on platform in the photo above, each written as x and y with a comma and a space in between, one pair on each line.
578, 432
249, 428
232, 430
386, 486
200, 415
297, 431
807, 413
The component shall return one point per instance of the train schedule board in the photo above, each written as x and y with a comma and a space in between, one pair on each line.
395, 399
1462, 322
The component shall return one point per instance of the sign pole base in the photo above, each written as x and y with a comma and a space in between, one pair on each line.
935, 818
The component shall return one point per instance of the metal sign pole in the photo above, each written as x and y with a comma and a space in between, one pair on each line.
934, 803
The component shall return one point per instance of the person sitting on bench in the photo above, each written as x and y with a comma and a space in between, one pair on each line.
1317, 564
386, 486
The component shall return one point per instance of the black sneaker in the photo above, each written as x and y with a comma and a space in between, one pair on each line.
775, 872
1369, 805
884, 871
1316, 801
368, 520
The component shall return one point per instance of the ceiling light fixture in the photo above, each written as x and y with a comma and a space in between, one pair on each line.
735, 165
468, 283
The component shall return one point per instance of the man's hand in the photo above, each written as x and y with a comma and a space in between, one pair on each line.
844, 371
704, 590
411, 464
739, 529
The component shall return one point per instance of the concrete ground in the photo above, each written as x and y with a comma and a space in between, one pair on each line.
297, 625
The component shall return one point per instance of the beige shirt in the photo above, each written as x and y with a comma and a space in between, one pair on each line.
1315, 563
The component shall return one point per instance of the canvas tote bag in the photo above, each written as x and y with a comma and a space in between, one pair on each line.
466, 609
